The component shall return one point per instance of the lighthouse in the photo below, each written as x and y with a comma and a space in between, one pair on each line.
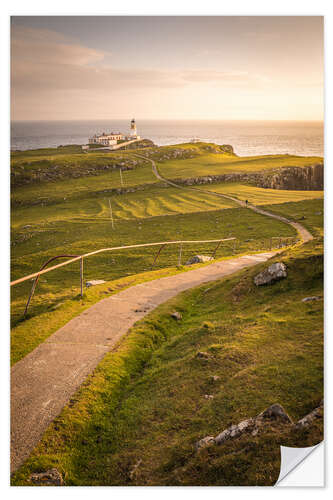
133, 129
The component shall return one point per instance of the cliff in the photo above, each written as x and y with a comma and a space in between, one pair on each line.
293, 178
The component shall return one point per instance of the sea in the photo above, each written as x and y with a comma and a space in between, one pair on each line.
246, 137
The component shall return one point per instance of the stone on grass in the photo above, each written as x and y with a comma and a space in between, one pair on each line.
176, 315
274, 272
198, 259
310, 417
274, 412
309, 299
215, 378
51, 477
235, 431
94, 282
208, 396
205, 442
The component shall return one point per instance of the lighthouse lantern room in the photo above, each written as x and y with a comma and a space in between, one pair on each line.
133, 129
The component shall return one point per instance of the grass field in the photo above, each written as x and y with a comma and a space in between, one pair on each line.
32, 246
146, 399
145, 402
261, 196
218, 164
72, 216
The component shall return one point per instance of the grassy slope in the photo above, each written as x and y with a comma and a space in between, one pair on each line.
68, 236
44, 224
146, 400
261, 196
218, 164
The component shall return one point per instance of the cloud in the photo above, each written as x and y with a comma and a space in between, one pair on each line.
44, 61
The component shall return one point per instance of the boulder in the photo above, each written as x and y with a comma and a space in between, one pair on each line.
274, 412
51, 477
274, 272
198, 259
94, 282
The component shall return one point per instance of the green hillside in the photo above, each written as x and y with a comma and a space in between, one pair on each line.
145, 404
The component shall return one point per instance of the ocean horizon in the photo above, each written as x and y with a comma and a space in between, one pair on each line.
246, 137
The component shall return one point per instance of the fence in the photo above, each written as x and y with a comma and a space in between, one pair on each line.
74, 258
273, 242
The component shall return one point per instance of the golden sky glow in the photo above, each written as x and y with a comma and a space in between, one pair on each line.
240, 68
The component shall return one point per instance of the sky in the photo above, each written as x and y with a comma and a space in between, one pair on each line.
209, 68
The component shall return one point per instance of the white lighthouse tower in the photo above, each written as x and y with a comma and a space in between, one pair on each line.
133, 133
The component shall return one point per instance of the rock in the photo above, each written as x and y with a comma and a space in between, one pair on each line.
203, 355
94, 282
274, 412
51, 477
176, 315
198, 259
310, 417
215, 378
309, 299
274, 272
205, 442
235, 431
208, 396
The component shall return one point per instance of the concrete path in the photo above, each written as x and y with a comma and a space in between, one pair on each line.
44, 380
302, 231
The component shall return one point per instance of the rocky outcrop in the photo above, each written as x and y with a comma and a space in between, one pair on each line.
274, 272
198, 259
310, 417
274, 415
292, 178
50, 477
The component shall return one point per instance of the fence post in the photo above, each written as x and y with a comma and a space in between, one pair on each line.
180, 255
271, 243
81, 276
235, 246
157, 255
215, 250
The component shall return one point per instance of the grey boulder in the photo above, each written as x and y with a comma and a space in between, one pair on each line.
198, 259
274, 272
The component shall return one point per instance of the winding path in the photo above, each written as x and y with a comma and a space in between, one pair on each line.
44, 380
302, 231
